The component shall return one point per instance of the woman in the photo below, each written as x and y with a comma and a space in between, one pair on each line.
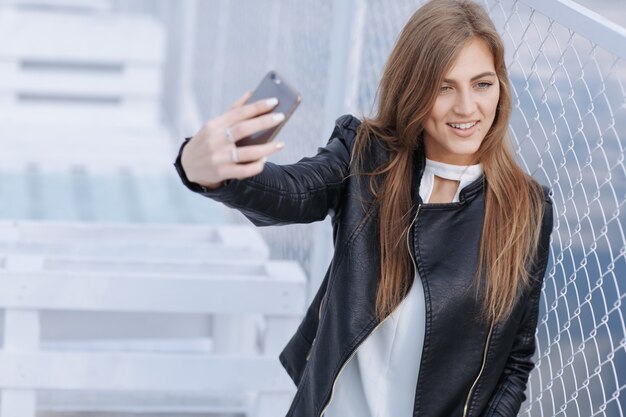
430, 304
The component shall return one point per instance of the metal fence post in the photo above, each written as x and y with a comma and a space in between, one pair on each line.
221, 51
339, 87
187, 115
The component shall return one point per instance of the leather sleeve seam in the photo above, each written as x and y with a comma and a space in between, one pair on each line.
301, 195
498, 398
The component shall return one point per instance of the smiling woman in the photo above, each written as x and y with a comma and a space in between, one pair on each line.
441, 240
465, 108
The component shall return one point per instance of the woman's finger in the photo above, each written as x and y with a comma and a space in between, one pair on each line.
245, 112
233, 155
248, 127
241, 100
252, 153
246, 170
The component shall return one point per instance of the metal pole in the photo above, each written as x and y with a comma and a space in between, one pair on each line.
187, 117
585, 23
219, 60
337, 97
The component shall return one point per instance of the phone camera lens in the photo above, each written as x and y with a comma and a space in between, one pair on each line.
275, 79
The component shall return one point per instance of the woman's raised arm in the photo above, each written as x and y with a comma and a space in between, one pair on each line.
302, 192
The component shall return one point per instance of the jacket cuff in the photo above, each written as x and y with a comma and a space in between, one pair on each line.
193, 186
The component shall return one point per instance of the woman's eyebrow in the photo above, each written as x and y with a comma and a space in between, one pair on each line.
474, 78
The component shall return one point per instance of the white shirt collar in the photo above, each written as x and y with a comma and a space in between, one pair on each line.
465, 174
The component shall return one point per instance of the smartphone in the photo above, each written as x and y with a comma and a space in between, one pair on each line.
272, 85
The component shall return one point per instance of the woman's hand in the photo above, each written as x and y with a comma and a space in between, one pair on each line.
211, 156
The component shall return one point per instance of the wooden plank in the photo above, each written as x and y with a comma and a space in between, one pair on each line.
142, 403
147, 345
243, 341
136, 372
128, 250
240, 239
216, 291
232, 236
21, 330
50, 78
149, 267
90, 5
65, 37
18, 403
66, 326
20, 334
58, 147
135, 114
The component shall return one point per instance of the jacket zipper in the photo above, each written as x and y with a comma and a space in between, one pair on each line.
482, 367
332, 391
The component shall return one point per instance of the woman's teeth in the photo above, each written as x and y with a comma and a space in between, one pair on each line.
462, 126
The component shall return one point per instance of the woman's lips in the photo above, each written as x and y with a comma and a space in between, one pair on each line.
463, 132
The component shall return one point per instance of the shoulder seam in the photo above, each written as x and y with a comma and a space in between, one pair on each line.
348, 121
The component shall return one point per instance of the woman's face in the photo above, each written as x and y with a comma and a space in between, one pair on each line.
465, 107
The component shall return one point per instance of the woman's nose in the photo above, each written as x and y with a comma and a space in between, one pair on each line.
465, 104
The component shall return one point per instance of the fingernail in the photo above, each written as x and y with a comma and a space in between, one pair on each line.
278, 117
271, 102
280, 145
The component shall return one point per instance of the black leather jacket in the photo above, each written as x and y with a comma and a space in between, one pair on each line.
468, 368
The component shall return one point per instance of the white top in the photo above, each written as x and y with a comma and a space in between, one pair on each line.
380, 379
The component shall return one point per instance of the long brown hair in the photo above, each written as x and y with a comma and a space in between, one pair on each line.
426, 49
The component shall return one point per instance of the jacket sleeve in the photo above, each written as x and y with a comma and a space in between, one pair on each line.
509, 394
303, 192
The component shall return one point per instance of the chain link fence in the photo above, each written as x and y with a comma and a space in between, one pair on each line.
568, 129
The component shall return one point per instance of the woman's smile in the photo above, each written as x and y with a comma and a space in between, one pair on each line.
464, 129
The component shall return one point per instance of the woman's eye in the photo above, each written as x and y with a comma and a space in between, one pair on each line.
483, 85
444, 89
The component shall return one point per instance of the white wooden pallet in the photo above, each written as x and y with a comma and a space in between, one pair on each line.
255, 305
81, 88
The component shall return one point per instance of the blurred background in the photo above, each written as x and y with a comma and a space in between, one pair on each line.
111, 267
